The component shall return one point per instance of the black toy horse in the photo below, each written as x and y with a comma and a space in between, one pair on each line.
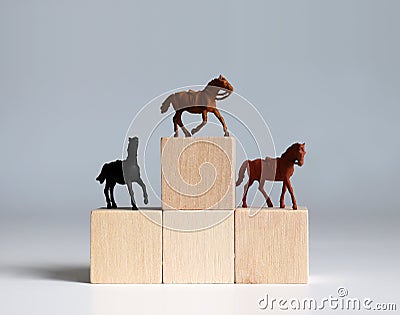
123, 172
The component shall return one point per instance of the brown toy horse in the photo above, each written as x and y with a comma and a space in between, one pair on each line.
277, 169
199, 102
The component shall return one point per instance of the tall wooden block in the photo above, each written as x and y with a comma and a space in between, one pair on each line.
271, 246
126, 246
202, 256
198, 173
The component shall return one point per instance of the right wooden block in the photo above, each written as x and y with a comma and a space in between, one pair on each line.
271, 246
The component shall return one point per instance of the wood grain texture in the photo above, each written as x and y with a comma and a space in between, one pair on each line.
205, 256
272, 246
125, 246
198, 173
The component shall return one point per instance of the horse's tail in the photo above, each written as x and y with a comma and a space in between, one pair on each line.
103, 174
165, 105
242, 170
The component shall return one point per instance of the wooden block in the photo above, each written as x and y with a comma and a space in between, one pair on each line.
203, 256
126, 246
272, 246
198, 173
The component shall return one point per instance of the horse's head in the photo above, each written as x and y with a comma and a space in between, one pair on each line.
133, 144
296, 153
223, 87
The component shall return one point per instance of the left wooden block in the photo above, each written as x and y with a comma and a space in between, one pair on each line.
126, 246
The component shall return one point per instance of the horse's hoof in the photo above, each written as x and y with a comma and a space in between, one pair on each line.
109, 206
146, 201
134, 208
114, 205
187, 135
193, 131
282, 205
226, 134
294, 207
244, 205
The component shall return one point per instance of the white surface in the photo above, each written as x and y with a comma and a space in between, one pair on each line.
44, 269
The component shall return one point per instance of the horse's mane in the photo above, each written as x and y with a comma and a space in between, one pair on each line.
293, 147
214, 82
132, 147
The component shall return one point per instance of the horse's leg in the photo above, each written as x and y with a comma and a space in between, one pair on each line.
246, 189
222, 121
203, 123
180, 123
113, 204
145, 196
261, 188
175, 120
282, 199
106, 189
290, 188
133, 203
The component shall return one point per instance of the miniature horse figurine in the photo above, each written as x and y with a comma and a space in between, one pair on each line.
199, 102
123, 172
278, 169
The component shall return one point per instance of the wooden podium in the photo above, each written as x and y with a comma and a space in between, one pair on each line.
199, 236
198, 186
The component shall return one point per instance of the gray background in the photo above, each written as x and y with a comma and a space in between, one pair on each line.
74, 73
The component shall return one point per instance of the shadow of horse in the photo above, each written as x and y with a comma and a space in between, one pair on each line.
123, 172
